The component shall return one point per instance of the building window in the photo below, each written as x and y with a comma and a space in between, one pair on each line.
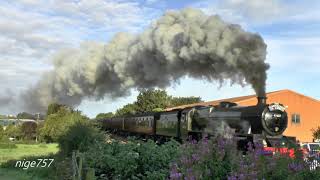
296, 118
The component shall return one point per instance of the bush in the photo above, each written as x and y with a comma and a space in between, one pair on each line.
220, 159
59, 123
206, 159
28, 130
80, 136
133, 160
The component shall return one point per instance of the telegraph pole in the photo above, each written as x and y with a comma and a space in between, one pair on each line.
37, 122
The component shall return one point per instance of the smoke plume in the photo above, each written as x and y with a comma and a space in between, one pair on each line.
180, 43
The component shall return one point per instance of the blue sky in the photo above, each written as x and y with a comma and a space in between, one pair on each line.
32, 31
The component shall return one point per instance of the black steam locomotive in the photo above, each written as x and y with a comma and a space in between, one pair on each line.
260, 122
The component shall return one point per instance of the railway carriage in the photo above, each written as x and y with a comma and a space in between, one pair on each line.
262, 121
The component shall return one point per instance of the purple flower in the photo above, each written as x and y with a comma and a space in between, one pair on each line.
195, 157
295, 166
175, 175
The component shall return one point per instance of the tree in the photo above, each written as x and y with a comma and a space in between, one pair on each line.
13, 131
104, 115
58, 123
28, 130
25, 115
148, 100
80, 136
178, 101
316, 133
128, 109
54, 108
2, 134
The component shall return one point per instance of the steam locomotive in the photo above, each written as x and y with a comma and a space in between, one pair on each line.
262, 122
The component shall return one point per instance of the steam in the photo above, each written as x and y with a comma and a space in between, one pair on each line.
180, 43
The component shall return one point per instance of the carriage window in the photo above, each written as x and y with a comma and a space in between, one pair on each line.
295, 118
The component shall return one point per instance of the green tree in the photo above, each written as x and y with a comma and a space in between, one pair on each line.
104, 115
54, 108
178, 101
58, 123
80, 136
2, 133
13, 131
25, 115
28, 130
148, 100
128, 109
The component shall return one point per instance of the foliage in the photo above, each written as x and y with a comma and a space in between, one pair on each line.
132, 160
57, 124
28, 130
79, 136
128, 109
219, 159
54, 172
316, 133
25, 115
206, 159
151, 100
2, 133
157, 110
55, 108
101, 116
39, 134
148, 100
13, 131
14, 174
178, 101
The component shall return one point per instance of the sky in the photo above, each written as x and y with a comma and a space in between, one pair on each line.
33, 31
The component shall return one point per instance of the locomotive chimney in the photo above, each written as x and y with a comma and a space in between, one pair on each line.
262, 100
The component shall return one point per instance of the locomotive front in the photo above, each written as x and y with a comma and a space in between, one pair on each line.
267, 119
274, 119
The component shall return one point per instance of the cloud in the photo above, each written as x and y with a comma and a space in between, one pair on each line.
257, 10
261, 13
32, 31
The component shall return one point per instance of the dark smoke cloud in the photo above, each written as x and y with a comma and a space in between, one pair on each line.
180, 43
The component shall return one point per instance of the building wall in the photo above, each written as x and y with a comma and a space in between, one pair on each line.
308, 109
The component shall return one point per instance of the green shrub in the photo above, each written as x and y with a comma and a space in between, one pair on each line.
132, 160
80, 136
58, 124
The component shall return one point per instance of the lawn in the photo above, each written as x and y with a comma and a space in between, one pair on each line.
24, 150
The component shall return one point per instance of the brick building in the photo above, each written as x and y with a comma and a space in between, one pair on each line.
303, 111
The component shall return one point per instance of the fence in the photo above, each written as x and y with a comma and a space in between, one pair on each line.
313, 160
78, 170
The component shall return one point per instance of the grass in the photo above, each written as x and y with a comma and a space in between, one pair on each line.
16, 174
24, 150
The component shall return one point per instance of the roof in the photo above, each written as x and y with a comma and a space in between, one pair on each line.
238, 99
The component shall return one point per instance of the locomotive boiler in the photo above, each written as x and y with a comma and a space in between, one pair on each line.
265, 121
